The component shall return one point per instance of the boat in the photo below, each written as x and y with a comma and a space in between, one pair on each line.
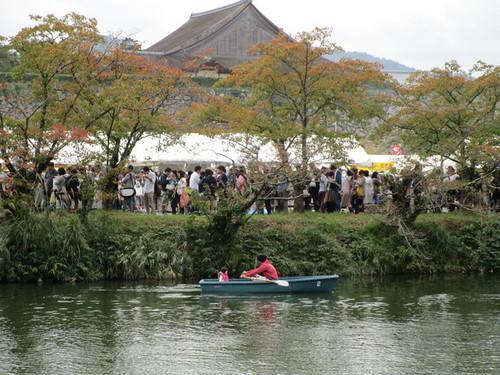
295, 284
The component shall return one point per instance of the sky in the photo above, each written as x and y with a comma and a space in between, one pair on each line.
419, 33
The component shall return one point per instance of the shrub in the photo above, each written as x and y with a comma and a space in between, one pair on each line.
118, 246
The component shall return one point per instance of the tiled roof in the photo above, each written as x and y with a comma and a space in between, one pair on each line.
199, 27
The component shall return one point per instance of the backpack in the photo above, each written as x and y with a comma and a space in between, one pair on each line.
67, 182
360, 191
170, 188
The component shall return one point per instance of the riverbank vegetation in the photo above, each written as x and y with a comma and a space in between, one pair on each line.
120, 246
70, 89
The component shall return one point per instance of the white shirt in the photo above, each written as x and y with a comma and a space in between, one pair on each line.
322, 183
139, 189
346, 186
149, 184
368, 199
59, 182
194, 181
452, 177
3, 179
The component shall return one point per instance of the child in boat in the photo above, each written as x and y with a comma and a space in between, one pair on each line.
223, 276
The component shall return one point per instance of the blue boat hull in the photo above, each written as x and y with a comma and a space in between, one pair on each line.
297, 284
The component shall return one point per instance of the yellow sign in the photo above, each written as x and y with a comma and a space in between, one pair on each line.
384, 166
379, 167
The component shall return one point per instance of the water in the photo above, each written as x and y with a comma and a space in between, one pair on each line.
397, 326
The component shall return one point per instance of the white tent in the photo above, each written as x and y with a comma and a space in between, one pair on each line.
193, 149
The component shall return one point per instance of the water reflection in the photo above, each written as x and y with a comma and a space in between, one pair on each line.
427, 325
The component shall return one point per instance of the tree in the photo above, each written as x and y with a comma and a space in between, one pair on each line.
72, 85
132, 98
450, 113
136, 98
296, 98
36, 105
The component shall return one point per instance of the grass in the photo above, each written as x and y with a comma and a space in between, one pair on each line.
329, 222
114, 245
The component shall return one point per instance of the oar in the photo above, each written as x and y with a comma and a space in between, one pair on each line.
277, 282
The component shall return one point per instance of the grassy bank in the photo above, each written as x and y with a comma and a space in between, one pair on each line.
114, 245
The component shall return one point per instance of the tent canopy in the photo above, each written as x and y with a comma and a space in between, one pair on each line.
193, 149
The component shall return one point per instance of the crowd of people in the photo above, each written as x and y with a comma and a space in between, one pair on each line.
337, 189
136, 190
329, 189
170, 191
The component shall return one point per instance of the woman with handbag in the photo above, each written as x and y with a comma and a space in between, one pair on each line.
127, 191
171, 191
329, 202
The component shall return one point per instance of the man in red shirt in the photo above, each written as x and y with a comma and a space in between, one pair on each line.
265, 269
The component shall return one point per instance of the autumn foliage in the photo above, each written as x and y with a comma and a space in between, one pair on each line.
35, 106
72, 86
450, 113
292, 96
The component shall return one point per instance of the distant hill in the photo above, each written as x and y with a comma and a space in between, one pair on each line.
388, 64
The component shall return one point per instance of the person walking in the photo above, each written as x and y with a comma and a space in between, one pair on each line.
59, 188
208, 187
171, 191
194, 180
313, 191
194, 186
369, 189
231, 178
359, 193
377, 183
149, 189
323, 181
157, 193
48, 178
346, 190
73, 189
128, 189
335, 186
139, 194
221, 177
182, 193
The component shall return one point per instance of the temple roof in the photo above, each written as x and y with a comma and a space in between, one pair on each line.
219, 38
199, 27
203, 25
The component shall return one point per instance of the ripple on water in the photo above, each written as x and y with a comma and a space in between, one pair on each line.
162, 329
174, 296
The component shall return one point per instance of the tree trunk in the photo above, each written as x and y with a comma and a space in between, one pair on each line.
300, 185
282, 204
110, 188
298, 202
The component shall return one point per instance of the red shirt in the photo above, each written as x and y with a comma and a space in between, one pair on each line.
223, 277
265, 269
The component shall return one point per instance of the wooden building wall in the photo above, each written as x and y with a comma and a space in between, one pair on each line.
235, 39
